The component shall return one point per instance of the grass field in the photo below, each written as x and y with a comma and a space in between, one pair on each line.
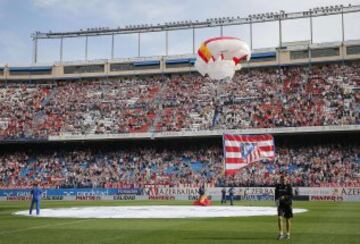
325, 222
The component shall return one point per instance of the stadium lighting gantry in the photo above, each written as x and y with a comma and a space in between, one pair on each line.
195, 24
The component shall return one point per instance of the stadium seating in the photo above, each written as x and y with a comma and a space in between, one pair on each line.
271, 97
120, 167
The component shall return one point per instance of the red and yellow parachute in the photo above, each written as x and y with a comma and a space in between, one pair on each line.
220, 57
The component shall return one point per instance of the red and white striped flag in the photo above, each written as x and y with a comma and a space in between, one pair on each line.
241, 150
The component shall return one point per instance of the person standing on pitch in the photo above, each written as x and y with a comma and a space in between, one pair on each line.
36, 197
231, 195
283, 198
201, 191
223, 195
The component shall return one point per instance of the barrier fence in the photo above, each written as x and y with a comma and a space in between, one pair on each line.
183, 193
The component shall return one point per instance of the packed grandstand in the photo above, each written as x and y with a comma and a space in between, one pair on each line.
269, 97
322, 94
178, 164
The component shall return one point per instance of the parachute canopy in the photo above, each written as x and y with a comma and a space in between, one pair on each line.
220, 57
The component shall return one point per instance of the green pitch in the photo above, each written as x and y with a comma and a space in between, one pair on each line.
325, 222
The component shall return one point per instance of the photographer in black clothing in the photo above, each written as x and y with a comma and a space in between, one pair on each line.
283, 198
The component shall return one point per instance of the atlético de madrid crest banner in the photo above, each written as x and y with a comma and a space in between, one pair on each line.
241, 150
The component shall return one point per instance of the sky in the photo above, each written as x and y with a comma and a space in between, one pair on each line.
20, 18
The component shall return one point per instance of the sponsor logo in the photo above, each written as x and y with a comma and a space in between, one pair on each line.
161, 197
124, 197
18, 198
316, 191
54, 198
129, 191
326, 198
257, 197
86, 198
166, 193
153, 191
350, 191
193, 198
257, 191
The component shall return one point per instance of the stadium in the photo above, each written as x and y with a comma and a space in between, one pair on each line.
185, 147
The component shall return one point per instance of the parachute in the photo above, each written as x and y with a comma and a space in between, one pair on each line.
220, 57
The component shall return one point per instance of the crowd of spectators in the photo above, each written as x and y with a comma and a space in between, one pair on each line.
316, 95
111, 107
121, 167
20, 110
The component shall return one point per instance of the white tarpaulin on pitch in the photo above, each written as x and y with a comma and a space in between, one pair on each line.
143, 212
